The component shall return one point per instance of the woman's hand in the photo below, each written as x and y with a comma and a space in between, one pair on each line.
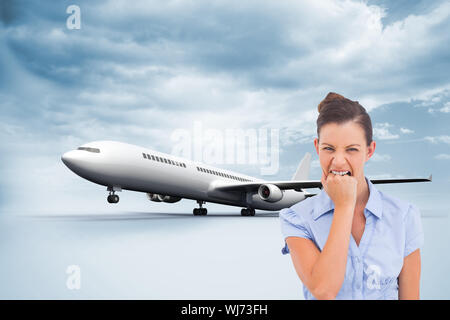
341, 189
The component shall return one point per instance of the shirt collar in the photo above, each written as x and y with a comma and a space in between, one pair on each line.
324, 204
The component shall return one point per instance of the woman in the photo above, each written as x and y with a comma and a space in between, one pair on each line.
352, 241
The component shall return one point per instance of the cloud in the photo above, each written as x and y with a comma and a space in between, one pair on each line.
270, 45
400, 9
381, 131
442, 156
438, 139
406, 131
386, 176
376, 157
446, 108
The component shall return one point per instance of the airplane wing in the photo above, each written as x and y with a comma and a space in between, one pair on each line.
302, 184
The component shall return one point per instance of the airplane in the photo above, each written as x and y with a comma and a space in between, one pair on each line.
167, 178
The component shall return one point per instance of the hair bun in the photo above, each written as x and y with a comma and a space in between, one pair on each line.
331, 96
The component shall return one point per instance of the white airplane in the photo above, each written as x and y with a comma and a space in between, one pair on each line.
167, 178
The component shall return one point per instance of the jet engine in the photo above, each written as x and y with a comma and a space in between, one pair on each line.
270, 193
162, 198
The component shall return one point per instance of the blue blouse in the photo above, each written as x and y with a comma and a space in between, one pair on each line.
393, 230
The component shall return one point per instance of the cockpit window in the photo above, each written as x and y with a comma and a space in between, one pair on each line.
95, 150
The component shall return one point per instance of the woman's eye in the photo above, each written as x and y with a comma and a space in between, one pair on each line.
331, 149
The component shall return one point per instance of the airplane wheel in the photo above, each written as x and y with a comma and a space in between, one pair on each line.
247, 212
200, 211
113, 198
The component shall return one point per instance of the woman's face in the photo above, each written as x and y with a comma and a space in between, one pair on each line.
343, 147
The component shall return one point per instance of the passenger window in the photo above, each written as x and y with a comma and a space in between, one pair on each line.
145, 157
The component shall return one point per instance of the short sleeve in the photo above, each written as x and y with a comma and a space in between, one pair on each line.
414, 238
292, 226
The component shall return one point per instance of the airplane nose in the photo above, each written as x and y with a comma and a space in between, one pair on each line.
69, 158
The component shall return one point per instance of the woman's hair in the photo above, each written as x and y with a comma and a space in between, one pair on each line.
338, 109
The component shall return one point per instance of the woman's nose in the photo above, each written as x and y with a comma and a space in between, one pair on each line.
339, 161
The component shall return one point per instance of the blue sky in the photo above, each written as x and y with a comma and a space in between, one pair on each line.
137, 71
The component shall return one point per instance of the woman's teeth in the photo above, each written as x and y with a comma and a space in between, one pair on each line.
341, 173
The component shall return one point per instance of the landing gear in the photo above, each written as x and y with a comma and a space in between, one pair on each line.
113, 198
248, 212
200, 211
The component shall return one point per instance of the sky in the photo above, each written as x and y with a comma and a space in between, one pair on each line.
141, 71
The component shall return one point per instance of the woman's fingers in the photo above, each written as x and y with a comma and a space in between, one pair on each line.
341, 189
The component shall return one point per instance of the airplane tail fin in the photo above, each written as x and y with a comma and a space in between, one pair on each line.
302, 172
